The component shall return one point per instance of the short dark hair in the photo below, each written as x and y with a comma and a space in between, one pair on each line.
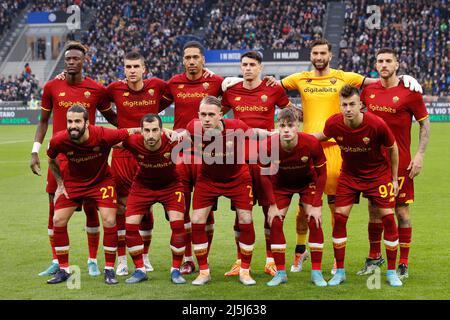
252, 55
211, 100
150, 117
78, 108
320, 42
287, 115
387, 50
133, 55
348, 91
194, 44
75, 45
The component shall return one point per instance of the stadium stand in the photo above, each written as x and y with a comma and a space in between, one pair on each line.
9, 9
264, 24
155, 28
419, 31
19, 88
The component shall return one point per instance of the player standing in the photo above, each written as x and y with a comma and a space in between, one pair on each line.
185, 91
157, 180
301, 169
253, 102
58, 96
223, 172
319, 90
133, 100
365, 169
86, 177
396, 105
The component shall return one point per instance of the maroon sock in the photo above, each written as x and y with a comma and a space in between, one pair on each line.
210, 229
339, 238
145, 230
404, 238
390, 240
51, 213
121, 244
375, 233
92, 228
267, 233
246, 243
134, 244
315, 244
278, 243
177, 242
61, 241
110, 245
200, 244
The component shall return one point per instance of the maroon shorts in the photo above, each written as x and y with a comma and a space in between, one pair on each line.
123, 169
406, 187
141, 198
380, 192
240, 192
51, 181
102, 194
259, 194
188, 174
307, 194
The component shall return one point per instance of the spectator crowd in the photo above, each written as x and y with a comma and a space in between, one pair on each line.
418, 30
266, 24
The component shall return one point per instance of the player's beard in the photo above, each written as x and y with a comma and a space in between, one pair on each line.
76, 134
323, 67
388, 76
151, 142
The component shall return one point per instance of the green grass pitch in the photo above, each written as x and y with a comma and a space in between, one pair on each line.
25, 250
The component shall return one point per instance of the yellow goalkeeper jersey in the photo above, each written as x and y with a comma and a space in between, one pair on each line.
320, 95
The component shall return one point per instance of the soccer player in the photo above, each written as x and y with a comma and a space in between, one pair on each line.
302, 169
133, 99
396, 105
362, 138
223, 172
86, 177
319, 91
58, 96
185, 91
253, 102
157, 180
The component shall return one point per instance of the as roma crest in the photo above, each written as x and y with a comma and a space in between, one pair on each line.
167, 155
96, 149
126, 94
333, 80
205, 85
366, 140
87, 94
395, 99
372, 96
264, 98
151, 92
304, 158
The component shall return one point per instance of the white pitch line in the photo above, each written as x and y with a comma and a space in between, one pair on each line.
15, 141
